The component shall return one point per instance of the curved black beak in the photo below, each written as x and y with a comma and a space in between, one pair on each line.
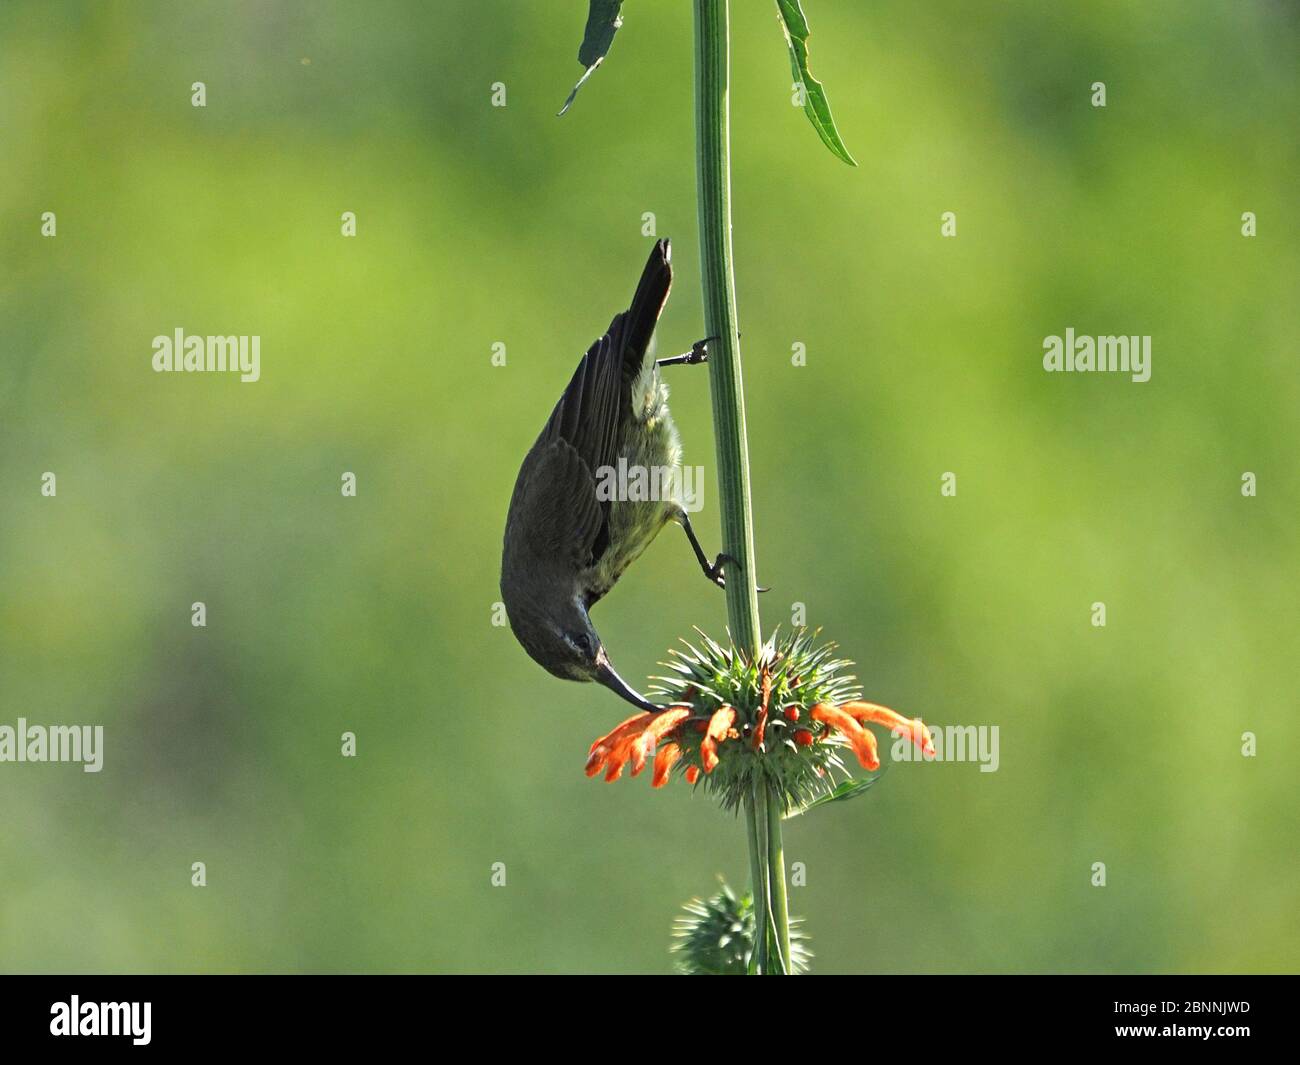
606, 675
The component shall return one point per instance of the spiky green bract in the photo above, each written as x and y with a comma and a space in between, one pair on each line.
715, 936
801, 673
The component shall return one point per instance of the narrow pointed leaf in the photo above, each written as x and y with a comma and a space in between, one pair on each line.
816, 107
849, 789
603, 21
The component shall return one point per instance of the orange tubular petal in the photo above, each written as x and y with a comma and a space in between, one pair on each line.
628, 750
913, 728
643, 746
692, 774
600, 757
630, 727
719, 723
669, 755
665, 722
633, 740
863, 742
606, 746
597, 759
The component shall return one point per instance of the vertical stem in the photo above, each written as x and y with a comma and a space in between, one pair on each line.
713, 164
776, 880
758, 889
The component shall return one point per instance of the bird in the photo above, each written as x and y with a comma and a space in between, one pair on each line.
566, 544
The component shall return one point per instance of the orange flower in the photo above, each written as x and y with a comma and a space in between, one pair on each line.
643, 746
606, 745
849, 719
633, 740
719, 725
669, 755
913, 728
862, 741
636, 740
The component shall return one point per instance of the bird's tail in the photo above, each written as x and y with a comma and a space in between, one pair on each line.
639, 320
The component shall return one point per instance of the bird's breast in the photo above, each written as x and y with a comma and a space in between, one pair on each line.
645, 491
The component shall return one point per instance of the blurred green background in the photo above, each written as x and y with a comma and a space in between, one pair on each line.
479, 224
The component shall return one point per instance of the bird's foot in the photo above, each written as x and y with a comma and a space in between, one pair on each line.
699, 353
714, 572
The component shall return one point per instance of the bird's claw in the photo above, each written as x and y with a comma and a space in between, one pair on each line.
699, 351
714, 572
698, 354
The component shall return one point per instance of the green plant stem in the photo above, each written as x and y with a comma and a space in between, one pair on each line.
713, 170
757, 875
776, 881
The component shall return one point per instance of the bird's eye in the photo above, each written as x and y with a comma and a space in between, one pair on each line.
581, 642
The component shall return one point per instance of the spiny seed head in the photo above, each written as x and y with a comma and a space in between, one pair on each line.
740, 739
715, 936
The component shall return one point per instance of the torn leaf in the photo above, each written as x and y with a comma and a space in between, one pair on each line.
603, 21
818, 110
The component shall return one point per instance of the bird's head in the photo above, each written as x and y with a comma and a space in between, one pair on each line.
558, 635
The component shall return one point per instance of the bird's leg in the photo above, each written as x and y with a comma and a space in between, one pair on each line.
699, 353
712, 570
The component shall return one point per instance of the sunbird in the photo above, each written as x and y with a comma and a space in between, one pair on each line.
565, 546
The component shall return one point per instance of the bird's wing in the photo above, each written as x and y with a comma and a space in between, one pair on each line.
557, 491
589, 413
597, 402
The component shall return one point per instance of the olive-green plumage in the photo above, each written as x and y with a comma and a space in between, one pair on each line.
565, 546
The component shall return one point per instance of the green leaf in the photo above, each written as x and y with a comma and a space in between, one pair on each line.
816, 107
848, 789
603, 21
